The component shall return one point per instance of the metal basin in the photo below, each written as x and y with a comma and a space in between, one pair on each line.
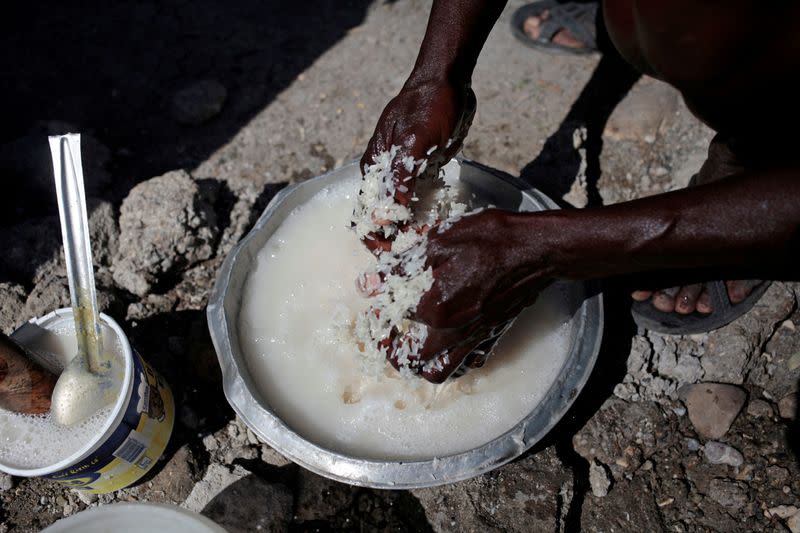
489, 187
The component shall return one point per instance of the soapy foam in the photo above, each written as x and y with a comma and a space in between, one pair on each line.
296, 330
31, 442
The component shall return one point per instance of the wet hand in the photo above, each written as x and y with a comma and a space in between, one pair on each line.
485, 273
427, 121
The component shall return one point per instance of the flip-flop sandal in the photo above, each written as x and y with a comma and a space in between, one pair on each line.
724, 312
578, 18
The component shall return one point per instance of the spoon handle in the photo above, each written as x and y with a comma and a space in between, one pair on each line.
68, 171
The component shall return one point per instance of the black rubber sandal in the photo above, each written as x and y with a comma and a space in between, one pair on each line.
578, 18
724, 312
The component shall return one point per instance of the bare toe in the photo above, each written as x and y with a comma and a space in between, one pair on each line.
641, 296
738, 290
704, 303
686, 301
533, 25
664, 300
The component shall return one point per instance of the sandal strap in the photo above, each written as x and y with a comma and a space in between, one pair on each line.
577, 18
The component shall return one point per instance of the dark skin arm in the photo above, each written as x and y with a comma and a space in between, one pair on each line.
487, 267
435, 106
484, 260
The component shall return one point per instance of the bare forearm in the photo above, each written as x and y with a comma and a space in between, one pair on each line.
456, 32
748, 221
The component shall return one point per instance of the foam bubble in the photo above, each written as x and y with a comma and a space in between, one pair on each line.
29, 441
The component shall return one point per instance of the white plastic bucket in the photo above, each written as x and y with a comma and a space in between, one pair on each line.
135, 518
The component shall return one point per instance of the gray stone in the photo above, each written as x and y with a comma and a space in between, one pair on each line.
49, 294
777, 368
272, 457
167, 223
151, 304
713, 407
599, 479
718, 453
216, 479
759, 408
787, 406
86, 497
692, 445
198, 102
658, 365
777, 475
728, 493
781, 511
6, 482
103, 231
621, 435
210, 443
12, 303
732, 351
793, 523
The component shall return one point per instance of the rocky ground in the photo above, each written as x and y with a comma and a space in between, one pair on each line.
227, 105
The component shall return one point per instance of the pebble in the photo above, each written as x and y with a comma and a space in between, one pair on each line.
777, 476
252, 438
6, 482
729, 494
759, 408
713, 407
599, 479
210, 443
793, 523
198, 102
718, 453
692, 444
86, 497
787, 406
781, 511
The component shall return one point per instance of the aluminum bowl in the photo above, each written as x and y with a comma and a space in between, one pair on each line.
489, 187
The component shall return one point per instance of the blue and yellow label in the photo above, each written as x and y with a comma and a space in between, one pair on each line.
135, 445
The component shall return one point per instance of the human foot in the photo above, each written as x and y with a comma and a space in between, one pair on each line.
557, 27
533, 29
690, 298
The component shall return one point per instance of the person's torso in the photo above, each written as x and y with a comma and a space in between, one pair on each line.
736, 62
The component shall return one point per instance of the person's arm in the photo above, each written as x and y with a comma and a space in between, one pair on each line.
485, 261
456, 33
431, 114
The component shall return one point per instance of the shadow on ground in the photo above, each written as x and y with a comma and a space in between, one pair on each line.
793, 430
555, 168
111, 69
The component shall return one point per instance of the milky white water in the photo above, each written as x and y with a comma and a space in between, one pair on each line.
296, 321
28, 442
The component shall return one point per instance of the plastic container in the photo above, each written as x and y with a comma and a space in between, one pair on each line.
135, 518
133, 437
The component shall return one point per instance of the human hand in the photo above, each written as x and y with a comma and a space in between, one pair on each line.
427, 121
485, 272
